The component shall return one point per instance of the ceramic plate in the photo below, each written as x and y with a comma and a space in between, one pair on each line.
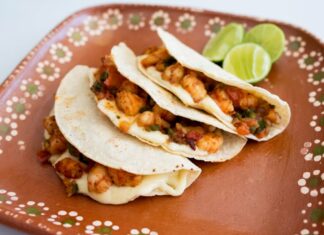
275, 187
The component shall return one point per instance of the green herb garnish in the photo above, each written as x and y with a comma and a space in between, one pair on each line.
262, 125
170, 131
97, 86
104, 75
154, 128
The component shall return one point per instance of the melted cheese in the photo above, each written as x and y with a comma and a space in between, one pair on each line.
173, 184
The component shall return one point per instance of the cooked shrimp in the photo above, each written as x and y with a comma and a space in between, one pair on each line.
210, 142
222, 99
242, 128
165, 114
50, 124
272, 116
154, 57
174, 73
129, 103
70, 168
194, 86
123, 178
248, 101
129, 86
98, 179
146, 119
158, 120
57, 144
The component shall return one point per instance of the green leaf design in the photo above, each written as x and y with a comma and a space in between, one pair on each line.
69, 220
309, 60
313, 181
159, 21
19, 107
33, 211
317, 215
318, 76
215, 27
318, 150
185, 24
4, 129
294, 45
104, 230
2, 198
32, 88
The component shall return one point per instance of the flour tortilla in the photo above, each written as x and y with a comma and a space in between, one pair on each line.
83, 125
191, 59
126, 63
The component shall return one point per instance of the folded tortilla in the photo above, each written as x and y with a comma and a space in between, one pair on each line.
191, 59
84, 127
126, 63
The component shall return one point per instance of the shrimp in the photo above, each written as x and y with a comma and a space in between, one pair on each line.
56, 144
123, 178
165, 114
98, 179
272, 116
156, 56
194, 86
222, 99
210, 142
129, 103
248, 101
130, 87
146, 119
174, 73
70, 168
50, 125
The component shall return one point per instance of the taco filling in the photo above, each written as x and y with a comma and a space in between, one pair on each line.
138, 109
71, 165
250, 114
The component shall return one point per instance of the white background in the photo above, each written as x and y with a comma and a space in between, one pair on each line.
24, 23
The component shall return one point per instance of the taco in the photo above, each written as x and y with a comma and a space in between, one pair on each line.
249, 111
93, 158
141, 108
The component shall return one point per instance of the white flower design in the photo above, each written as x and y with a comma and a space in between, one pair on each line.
310, 61
295, 45
316, 97
21, 145
48, 70
186, 23
32, 208
317, 122
143, 231
159, 19
317, 77
77, 37
60, 53
66, 219
312, 213
8, 129
312, 183
94, 26
136, 21
213, 26
7, 197
98, 227
113, 19
316, 153
18, 108
32, 88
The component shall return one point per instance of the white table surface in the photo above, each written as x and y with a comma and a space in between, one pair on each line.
24, 23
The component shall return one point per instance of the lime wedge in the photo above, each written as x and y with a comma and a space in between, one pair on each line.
270, 37
248, 61
218, 46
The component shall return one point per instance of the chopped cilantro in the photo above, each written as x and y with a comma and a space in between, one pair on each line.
170, 131
104, 75
154, 128
262, 125
97, 86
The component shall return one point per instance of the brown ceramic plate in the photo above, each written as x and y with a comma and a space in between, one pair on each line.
274, 187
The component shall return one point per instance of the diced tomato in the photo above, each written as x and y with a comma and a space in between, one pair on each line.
242, 128
115, 79
235, 95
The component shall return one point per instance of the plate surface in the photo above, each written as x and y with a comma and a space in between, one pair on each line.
275, 187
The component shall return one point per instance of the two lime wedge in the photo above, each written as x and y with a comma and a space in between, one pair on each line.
248, 57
